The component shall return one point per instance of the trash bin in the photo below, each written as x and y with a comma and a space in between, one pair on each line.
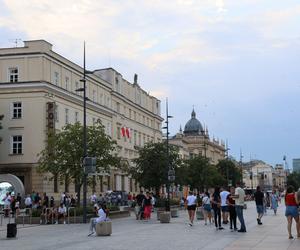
11, 230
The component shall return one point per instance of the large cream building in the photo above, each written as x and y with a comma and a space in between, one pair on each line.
195, 140
37, 91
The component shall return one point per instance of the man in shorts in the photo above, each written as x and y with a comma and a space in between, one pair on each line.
259, 201
224, 206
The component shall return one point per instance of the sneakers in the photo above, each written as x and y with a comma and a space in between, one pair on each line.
242, 231
221, 228
259, 221
91, 233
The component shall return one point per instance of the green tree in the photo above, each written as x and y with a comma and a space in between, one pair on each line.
64, 150
229, 171
151, 167
201, 174
293, 179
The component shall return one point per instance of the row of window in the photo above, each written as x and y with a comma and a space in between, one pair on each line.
13, 76
131, 114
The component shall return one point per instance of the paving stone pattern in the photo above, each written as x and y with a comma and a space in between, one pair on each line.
130, 234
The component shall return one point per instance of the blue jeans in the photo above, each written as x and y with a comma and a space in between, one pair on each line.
239, 213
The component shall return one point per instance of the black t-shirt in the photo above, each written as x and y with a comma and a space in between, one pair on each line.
139, 199
147, 201
259, 198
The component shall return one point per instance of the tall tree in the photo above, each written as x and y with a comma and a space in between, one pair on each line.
63, 154
293, 179
151, 167
230, 172
201, 174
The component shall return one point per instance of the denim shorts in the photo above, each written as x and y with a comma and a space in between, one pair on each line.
207, 207
225, 209
260, 209
291, 211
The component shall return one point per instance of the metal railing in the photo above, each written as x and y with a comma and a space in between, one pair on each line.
74, 216
26, 212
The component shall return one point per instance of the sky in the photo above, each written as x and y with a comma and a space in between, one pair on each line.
236, 61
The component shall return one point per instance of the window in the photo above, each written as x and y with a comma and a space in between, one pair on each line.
94, 95
17, 110
13, 74
76, 86
117, 84
129, 113
94, 121
56, 78
67, 83
17, 144
118, 132
118, 107
66, 116
76, 116
101, 98
135, 141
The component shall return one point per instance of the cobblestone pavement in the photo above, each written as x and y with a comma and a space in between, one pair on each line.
140, 235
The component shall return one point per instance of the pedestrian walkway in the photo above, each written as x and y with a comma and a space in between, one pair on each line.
131, 234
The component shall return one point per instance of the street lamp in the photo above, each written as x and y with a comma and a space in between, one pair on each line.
171, 171
83, 89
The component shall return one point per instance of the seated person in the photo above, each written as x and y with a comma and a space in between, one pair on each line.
101, 212
61, 213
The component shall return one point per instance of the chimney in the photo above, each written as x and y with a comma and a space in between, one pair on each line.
135, 81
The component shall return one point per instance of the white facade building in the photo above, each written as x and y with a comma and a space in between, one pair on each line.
38, 90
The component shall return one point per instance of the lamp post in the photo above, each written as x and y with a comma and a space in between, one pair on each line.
171, 171
84, 136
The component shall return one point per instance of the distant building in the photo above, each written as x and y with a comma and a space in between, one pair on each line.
258, 173
296, 165
194, 140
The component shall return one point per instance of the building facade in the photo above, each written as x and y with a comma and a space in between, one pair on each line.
258, 173
296, 165
38, 93
195, 140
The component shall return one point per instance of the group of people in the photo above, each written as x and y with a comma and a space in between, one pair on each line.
225, 206
11, 203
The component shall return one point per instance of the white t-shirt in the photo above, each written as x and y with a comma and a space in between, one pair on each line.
206, 200
241, 193
224, 195
62, 210
102, 216
191, 200
28, 201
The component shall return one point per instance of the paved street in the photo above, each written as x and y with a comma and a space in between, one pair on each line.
136, 235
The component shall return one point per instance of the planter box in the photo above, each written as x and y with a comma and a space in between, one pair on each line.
199, 213
104, 228
174, 213
165, 217
158, 213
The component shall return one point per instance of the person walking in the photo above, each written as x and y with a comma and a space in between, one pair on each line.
291, 211
232, 212
216, 205
274, 201
224, 206
239, 197
191, 200
147, 204
259, 201
206, 208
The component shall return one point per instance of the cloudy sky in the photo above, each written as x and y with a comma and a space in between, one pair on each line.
236, 61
